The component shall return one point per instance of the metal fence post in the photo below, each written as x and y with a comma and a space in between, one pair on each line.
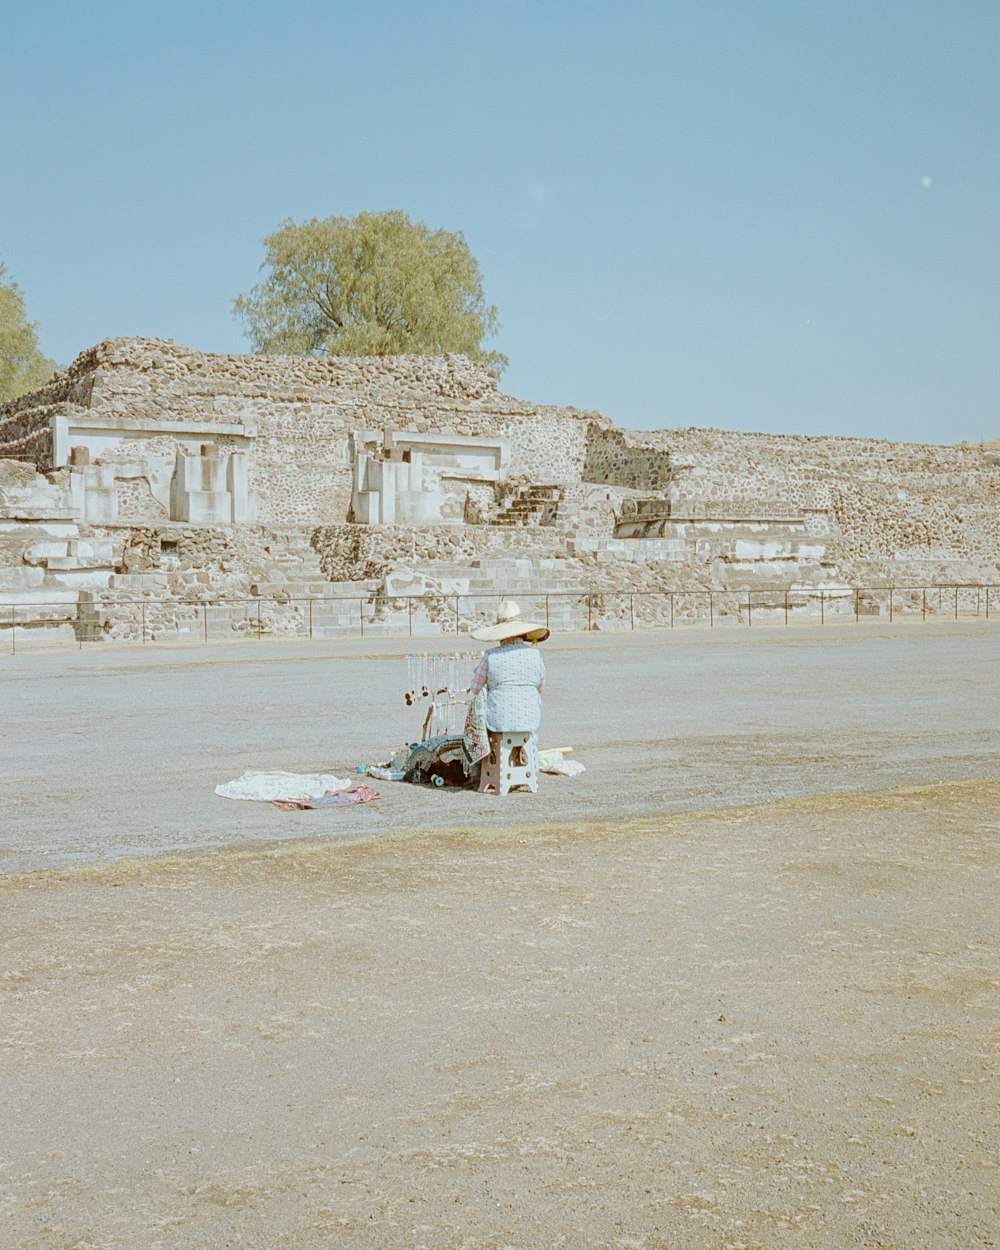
984, 595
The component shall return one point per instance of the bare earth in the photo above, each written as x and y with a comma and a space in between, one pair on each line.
617, 1014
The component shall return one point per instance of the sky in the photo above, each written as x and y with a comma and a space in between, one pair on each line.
777, 215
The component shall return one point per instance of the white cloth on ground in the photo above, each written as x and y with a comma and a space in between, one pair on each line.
264, 787
556, 762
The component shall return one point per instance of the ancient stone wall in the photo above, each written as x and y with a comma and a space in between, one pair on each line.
922, 507
619, 458
914, 504
882, 511
299, 413
349, 552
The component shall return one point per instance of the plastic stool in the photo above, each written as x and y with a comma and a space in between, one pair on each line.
503, 770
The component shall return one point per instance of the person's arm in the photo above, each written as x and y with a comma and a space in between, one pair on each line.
480, 676
541, 673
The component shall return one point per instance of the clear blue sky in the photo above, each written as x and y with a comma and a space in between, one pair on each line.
773, 215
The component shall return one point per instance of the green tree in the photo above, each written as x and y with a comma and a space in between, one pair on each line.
22, 365
373, 285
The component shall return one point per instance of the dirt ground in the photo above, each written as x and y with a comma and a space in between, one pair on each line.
616, 1016
116, 753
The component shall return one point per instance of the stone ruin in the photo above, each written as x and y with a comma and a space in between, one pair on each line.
148, 481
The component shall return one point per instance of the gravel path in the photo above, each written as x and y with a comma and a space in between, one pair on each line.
734, 988
763, 1027
117, 753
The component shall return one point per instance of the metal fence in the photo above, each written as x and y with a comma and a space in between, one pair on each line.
32, 622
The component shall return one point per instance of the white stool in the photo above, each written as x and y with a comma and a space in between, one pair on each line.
512, 761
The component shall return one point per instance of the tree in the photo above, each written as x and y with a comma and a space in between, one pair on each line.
373, 285
22, 365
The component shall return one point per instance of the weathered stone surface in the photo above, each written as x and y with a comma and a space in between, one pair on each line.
461, 490
22, 578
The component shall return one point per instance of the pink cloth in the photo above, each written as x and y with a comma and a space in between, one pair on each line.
333, 798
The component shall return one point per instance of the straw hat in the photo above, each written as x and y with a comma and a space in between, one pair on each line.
510, 624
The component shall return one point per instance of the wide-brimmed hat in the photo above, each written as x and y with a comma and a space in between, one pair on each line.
510, 624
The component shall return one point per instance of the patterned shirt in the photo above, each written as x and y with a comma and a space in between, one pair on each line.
513, 675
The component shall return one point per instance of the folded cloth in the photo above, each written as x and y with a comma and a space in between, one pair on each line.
384, 773
475, 735
335, 798
264, 787
556, 762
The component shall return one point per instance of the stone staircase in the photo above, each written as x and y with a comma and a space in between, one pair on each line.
294, 575
496, 577
531, 505
469, 591
45, 563
628, 551
293, 570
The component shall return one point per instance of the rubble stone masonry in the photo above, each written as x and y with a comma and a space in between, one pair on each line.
878, 510
299, 410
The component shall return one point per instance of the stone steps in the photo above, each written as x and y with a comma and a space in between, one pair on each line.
491, 578
315, 590
294, 571
54, 607
531, 505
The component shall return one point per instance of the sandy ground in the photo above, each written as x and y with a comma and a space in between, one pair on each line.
619, 1014
117, 753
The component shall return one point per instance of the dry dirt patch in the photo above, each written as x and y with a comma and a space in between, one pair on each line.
770, 1026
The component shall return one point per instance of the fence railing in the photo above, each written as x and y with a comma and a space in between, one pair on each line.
30, 621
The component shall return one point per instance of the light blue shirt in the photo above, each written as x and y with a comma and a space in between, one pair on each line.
513, 675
